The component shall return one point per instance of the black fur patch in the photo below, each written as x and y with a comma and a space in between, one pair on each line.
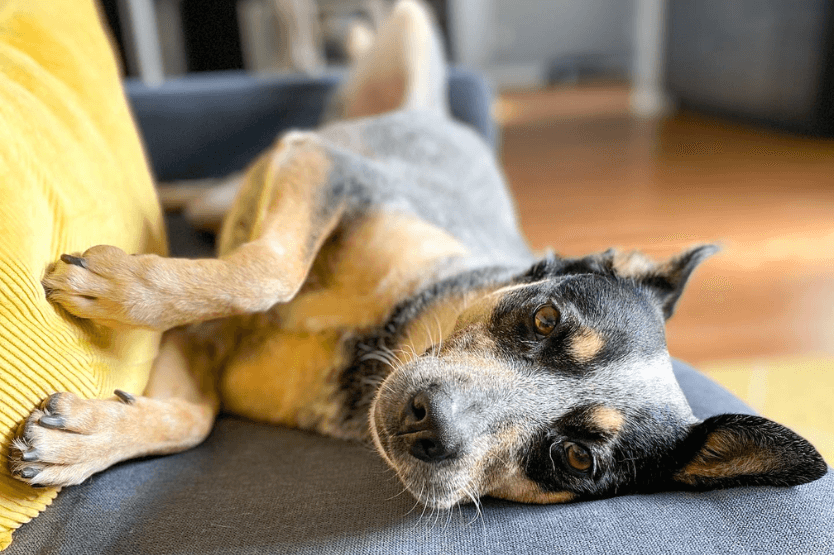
637, 459
555, 266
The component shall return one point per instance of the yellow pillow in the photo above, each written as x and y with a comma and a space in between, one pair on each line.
72, 175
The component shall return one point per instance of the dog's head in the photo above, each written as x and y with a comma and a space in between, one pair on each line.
559, 387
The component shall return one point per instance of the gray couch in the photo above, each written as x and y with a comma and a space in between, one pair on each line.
257, 489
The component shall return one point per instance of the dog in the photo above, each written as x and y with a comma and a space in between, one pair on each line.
373, 285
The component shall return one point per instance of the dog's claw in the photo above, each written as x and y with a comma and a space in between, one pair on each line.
51, 404
29, 456
126, 397
28, 472
75, 260
53, 422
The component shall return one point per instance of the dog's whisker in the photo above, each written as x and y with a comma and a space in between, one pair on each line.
405, 355
550, 454
449, 512
429, 336
391, 355
402, 491
438, 516
377, 357
417, 502
476, 502
434, 513
439, 333
411, 352
425, 506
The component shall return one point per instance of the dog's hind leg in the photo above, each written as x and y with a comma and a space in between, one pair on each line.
289, 205
69, 438
404, 68
204, 201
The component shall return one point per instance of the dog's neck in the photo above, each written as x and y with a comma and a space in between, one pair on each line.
417, 325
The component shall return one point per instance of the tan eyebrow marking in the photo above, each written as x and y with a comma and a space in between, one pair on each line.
586, 345
608, 418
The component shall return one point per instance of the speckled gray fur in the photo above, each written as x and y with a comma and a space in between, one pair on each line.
425, 164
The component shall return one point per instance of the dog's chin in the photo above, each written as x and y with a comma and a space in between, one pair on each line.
434, 495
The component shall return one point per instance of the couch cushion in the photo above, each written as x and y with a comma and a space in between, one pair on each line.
72, 175
257, 489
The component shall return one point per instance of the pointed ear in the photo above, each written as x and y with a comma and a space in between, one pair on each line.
738, 449
666, 279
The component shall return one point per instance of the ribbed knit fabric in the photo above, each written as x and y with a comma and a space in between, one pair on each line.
72, 175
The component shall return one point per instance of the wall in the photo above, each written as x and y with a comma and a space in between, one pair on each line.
516, 41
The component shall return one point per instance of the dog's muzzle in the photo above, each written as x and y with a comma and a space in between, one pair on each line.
448, 429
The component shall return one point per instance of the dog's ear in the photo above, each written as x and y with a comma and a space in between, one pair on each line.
665, 280
737, 449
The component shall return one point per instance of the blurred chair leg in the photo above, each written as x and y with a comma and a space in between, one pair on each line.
648, 95
140, 28
304, 44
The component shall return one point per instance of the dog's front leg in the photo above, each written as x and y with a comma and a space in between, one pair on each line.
68, 438
290, 204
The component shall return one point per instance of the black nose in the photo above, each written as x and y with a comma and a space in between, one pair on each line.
429, 428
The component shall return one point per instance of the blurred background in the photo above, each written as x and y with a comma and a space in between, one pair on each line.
644, 124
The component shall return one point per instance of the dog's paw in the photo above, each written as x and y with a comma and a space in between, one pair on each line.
68, 439
104, 284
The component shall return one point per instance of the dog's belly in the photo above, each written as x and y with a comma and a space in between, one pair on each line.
286, 369
285, 378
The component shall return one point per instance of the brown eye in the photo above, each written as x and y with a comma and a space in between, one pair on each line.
577, 456
545, 320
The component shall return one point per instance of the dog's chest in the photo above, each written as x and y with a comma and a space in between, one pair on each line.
286, 368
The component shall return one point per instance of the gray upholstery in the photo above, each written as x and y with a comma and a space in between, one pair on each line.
257, 489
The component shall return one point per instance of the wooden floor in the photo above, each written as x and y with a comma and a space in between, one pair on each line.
588, 176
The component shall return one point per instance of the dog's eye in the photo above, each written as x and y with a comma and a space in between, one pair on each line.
545, 320
577, 457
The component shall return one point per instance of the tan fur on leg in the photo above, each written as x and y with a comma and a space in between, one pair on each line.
68, 439
291, 217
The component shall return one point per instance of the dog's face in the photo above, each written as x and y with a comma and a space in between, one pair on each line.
559, 387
